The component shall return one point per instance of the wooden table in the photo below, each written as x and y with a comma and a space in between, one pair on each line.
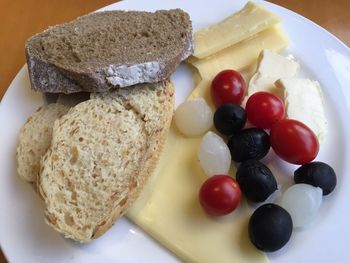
21, 19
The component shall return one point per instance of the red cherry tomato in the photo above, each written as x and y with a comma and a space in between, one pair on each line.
293, 141
228, 87
264, 109
220, 195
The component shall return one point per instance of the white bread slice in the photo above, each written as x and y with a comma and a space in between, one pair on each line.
35, 139
102, 152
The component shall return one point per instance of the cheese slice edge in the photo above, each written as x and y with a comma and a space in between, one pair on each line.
241, 55
253, 18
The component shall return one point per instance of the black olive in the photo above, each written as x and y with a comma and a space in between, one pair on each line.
270, 227
252, 143
229, 118
255, 180
318, 174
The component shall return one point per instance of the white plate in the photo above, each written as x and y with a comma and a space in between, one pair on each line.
25, 237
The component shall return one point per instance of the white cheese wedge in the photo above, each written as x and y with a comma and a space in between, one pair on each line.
241, 55
304, 102
271, 67
253, 18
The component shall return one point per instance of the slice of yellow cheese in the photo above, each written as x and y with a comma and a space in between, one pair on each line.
169, 210
243, 54
250, 20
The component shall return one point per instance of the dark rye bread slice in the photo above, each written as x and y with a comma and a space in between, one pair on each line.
113, 48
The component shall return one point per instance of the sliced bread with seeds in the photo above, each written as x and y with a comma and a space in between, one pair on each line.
102, 152
35, 139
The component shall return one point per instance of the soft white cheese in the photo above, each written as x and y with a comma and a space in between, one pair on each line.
271, 67
304, 102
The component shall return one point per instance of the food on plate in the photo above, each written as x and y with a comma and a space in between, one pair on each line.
241, 55
35, 139
112, 48
219, 195
256, 180
229, 118
308, 108
228, 86
293, 141
251, 19
251, 143
303, 202
102, 152
194, 117
271, 67
264, 109
270, 227
183, 226
104, 149
318, 174
214, 155
168, 209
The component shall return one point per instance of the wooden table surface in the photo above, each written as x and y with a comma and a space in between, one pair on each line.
21, 19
